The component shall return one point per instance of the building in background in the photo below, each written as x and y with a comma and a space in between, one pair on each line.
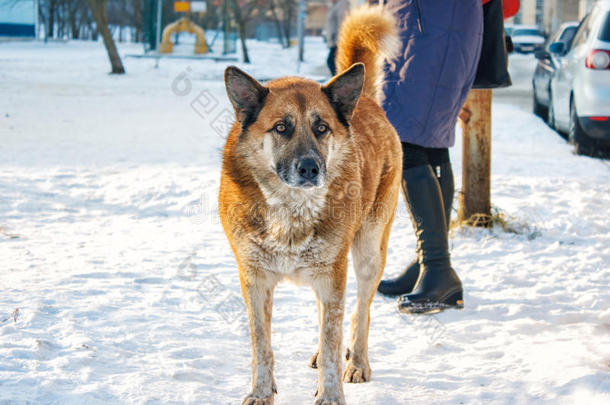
316, 16
556, 12
317, 11
18, 18
549, 14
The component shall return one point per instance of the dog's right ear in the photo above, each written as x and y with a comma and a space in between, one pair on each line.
246, 94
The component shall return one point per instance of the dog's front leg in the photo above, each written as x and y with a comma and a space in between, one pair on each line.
330, 292
257, 290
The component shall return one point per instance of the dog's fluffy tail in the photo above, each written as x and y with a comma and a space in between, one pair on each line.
368, 35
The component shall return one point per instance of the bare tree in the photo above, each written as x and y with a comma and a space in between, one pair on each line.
135, 18
98, 10
75, 11
289, 12
241, 20
246, 10
51, 11
284, 41
86, 22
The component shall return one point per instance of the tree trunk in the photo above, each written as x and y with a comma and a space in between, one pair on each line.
51, 19
61, 23
98, 9
288, 13
75, 31
241, 27
42, 19
74, 27
278, 25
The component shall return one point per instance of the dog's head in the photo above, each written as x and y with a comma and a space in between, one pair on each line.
293, 128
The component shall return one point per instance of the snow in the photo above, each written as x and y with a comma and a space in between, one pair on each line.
118, 285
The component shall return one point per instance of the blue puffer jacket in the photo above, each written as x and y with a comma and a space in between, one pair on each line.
427, 84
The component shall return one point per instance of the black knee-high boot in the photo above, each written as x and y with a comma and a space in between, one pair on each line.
405, 282
438, 286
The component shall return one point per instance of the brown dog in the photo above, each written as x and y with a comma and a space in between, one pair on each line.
309, 173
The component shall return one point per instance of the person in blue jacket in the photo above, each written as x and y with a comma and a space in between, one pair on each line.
424, 91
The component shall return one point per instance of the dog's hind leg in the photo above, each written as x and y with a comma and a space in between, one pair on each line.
368, 254
257, 291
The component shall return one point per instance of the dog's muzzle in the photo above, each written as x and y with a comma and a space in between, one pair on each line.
304, 172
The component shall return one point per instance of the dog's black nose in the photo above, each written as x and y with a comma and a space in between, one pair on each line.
308, 169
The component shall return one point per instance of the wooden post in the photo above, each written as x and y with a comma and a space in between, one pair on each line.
474, 200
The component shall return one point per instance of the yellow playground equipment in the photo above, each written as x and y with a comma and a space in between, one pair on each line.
183, 25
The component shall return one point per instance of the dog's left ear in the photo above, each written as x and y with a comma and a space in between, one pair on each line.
246, 94
344, 90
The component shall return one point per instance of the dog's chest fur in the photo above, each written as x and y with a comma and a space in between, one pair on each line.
291, 244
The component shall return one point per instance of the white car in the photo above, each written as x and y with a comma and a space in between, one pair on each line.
526, 38
546, 67
580, 87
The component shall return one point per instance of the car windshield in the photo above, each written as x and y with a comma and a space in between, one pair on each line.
604, 33
568, 35
523, 31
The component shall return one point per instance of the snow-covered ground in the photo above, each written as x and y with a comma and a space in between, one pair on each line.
117, 285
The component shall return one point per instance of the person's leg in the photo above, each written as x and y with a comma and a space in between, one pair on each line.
330, 61
438, 286
441, 164
412, 156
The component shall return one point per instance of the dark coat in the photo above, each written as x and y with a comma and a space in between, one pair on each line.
492, 72
427, 84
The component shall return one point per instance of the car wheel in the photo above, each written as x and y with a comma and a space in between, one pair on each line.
539, 109
576, 135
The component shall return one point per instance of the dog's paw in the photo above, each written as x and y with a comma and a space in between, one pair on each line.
256, 400
357, 372
313, 360
323, 401
330, 400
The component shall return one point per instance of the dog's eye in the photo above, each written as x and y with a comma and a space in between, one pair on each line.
280, 128
321, 128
